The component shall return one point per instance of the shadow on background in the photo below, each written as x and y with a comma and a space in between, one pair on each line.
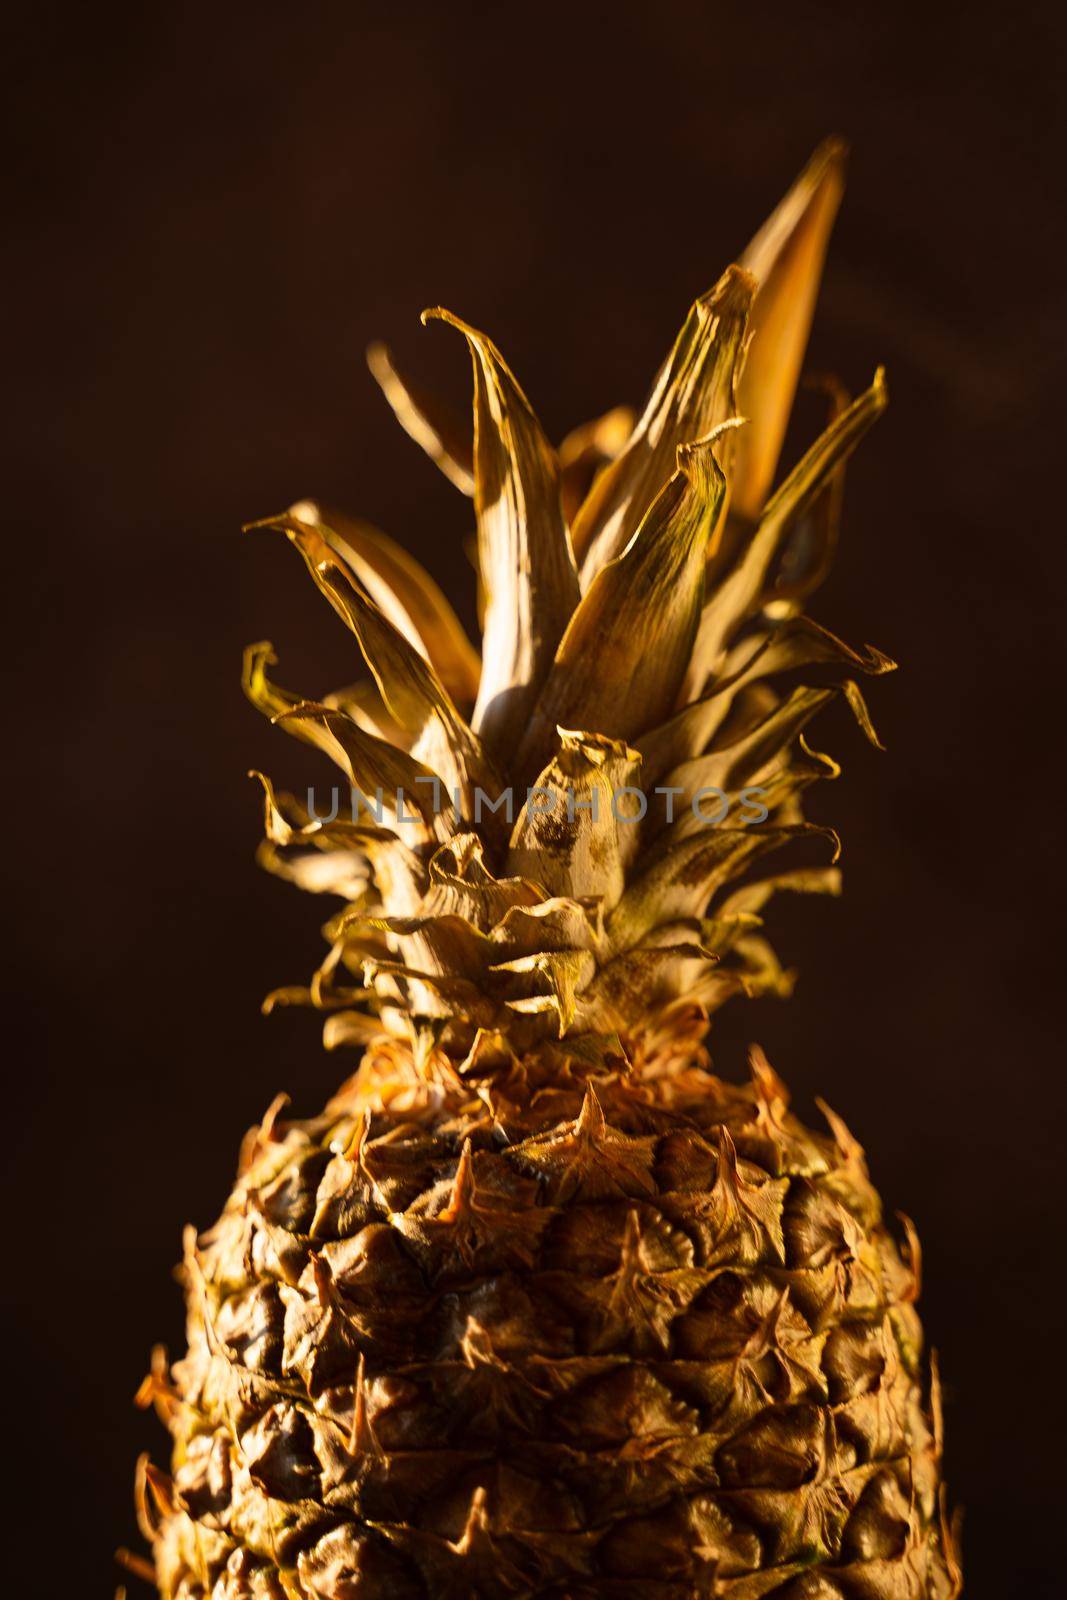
213, 213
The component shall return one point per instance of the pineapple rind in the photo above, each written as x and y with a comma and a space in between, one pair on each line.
634, 1335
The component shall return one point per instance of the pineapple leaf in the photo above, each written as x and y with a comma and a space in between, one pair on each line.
425, 420
586, 450
571, 834
750, 899
737, 581
793, 644
410, 687
531, 585
680, 882
747, 758
693, 394
404, 592
624, 655
460, 883
387, 778
786, 257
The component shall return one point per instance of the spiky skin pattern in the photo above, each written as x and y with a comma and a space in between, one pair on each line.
640, 1336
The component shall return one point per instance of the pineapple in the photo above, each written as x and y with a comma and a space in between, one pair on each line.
539, 1306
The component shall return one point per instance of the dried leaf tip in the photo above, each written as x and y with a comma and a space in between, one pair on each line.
731, 295
423, 419
442, 314
818, 188
786, 256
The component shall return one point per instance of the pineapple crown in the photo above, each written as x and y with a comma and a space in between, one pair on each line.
525, 856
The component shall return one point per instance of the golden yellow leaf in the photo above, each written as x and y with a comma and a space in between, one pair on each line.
525, 561
693, 394
786, 258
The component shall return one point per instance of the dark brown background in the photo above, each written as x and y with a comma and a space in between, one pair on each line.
213, 212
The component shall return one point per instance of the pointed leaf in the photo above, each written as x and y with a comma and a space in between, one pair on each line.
738, 591
267, 697
385, 777
799, 643
525, 559
680, 881
786, 257
745, 758
425, 420
752, 897
809, 553
362, 701
287, 823
587, 450
404, 592
411, 689
683, 737
624, 655
692, 396
795, 644
784, 778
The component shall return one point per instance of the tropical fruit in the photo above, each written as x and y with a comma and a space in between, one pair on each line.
540, 1305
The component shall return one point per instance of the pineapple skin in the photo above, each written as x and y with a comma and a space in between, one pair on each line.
540, 1306
646, 1335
